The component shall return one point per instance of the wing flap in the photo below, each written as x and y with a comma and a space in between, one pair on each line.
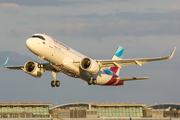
50, 67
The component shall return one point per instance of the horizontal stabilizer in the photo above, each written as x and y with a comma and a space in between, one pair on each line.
132, 78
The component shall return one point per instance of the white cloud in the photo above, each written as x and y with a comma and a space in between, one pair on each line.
20, 32
175, 7
10, 8
100, 28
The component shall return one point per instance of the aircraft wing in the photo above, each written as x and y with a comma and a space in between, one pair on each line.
46, 66
125, 62
12, 67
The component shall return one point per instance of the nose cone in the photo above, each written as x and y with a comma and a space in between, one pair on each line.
33, 44
29, 43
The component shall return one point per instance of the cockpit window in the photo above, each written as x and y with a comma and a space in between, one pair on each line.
38, 36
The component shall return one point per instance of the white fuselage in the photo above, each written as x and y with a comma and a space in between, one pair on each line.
62, 57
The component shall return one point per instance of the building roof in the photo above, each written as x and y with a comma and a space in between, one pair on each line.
98, 104
165, 106
24, 103
118, 104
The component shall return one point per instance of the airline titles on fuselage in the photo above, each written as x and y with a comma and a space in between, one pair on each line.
61, 45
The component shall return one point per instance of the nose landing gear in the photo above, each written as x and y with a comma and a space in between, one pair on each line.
92, 81
54, 74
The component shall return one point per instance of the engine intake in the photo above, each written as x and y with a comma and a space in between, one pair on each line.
32, 68
89, 65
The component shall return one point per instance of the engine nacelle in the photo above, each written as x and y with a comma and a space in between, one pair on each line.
89, 65
32, 68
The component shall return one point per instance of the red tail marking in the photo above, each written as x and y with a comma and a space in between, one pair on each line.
119, 83
114, 69
111, 82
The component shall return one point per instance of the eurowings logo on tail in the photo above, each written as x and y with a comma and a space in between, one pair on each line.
119, 52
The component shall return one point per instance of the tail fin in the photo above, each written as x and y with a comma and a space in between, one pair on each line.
119, 53
117, 56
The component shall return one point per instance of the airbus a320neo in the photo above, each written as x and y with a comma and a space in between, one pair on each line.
64, 59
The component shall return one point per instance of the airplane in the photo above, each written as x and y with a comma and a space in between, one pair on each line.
64, 59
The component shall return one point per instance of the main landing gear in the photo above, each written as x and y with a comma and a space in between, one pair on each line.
55, 82
92, 81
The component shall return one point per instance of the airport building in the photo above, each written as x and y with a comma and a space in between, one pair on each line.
97, 110
24, 110
136, 111
171, 110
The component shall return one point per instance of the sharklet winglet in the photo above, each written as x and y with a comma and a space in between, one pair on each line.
6, 62
171, 55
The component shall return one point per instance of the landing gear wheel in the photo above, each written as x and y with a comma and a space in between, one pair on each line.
94, 82
53, 84
57, 83
90, 82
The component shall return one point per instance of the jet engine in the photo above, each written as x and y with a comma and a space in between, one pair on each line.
89, 65
32, 68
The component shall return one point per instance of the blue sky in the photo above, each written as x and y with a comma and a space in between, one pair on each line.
95, 28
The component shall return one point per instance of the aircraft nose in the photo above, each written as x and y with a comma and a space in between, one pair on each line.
29, 43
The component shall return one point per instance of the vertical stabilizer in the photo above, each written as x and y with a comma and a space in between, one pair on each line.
117, 56
119, 53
